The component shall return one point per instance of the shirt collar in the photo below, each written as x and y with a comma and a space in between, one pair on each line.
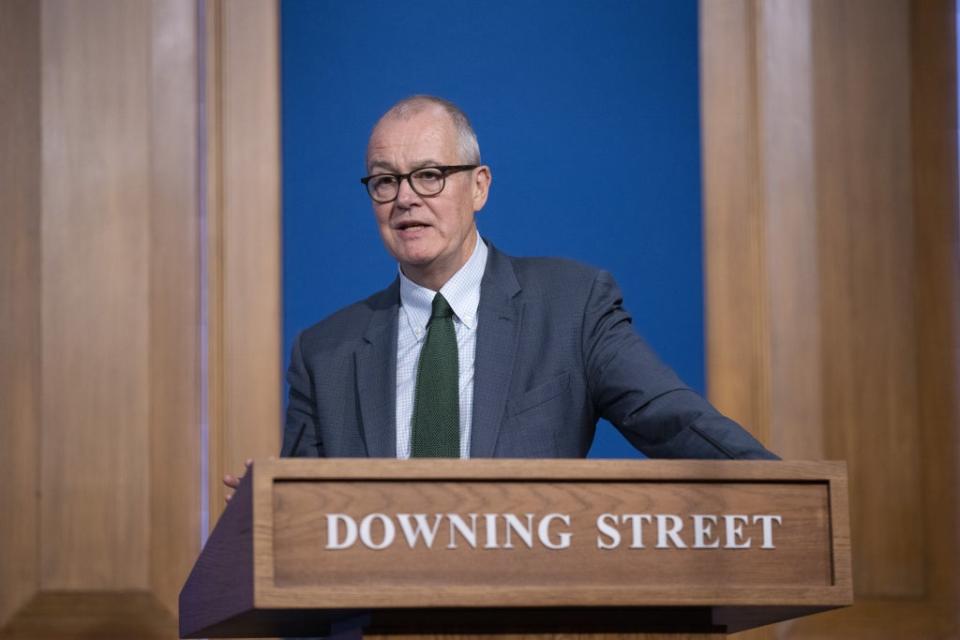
462, 292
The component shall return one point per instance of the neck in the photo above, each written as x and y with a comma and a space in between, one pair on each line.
434, 275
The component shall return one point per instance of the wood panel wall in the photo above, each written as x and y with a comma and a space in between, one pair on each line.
831, 235
20, 201
134, 269
243, 238
139, 279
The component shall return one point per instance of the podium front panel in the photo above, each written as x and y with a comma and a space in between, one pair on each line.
348, 534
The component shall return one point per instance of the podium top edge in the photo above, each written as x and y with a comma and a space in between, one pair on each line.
551, 470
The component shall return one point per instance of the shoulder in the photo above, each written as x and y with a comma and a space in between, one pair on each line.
551, 276
349, 324
536, 271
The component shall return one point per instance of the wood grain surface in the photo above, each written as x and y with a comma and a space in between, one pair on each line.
866, 231
174, 339
220, 585
294, 568
830, 179
404, 575
301, 587
95, 296
118, 615
100, 296
734, 238
20, 308
243, 222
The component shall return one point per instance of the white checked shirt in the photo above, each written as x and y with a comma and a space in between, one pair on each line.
462, 291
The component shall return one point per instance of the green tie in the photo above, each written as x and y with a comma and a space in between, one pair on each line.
436, 408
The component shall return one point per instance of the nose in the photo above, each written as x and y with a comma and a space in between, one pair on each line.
406, 196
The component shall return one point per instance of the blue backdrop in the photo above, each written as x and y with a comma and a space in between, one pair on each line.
587, 113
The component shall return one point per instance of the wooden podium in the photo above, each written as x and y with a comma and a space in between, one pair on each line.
313, 547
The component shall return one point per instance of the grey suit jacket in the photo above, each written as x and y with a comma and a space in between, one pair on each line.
555, 352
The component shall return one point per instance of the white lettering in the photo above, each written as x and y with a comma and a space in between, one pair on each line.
767, 521
543, 531
468, 532
735, 532
334, 540
389, 531
516, 526
422, 528
607, 529
379, 531
637, 520
672, 532
491, 521
702, 530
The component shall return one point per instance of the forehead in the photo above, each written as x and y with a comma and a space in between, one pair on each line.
426, 135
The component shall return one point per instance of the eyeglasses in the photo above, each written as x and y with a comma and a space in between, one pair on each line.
426, 182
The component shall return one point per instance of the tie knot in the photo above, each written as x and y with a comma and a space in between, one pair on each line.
441, 308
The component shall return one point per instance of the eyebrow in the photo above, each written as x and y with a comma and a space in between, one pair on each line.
386, 166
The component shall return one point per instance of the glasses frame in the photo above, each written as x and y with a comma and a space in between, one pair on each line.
445, 170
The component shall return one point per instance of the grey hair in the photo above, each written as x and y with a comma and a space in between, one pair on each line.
467, 142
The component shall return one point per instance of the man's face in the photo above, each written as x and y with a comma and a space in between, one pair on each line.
431, 237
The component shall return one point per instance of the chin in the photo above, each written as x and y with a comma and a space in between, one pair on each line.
416, 260
416, 256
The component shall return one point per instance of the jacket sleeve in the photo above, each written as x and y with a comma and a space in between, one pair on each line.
301, 432
643, 398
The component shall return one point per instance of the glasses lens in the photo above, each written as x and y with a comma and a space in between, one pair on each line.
383, 187
427, 182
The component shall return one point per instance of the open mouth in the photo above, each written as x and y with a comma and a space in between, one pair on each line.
411, 226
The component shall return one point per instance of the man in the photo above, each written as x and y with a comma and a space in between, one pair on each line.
470, 352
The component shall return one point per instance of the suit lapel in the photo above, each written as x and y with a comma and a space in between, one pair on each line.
376, 384
498, 329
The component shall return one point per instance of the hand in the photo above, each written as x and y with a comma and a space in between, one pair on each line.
232, 482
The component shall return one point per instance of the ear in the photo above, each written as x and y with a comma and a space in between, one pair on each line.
481, 186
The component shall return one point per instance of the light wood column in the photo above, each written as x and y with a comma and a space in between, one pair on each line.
830, 175
109, 469
242, 199
20, 198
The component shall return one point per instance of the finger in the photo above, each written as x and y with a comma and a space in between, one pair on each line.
248, 462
